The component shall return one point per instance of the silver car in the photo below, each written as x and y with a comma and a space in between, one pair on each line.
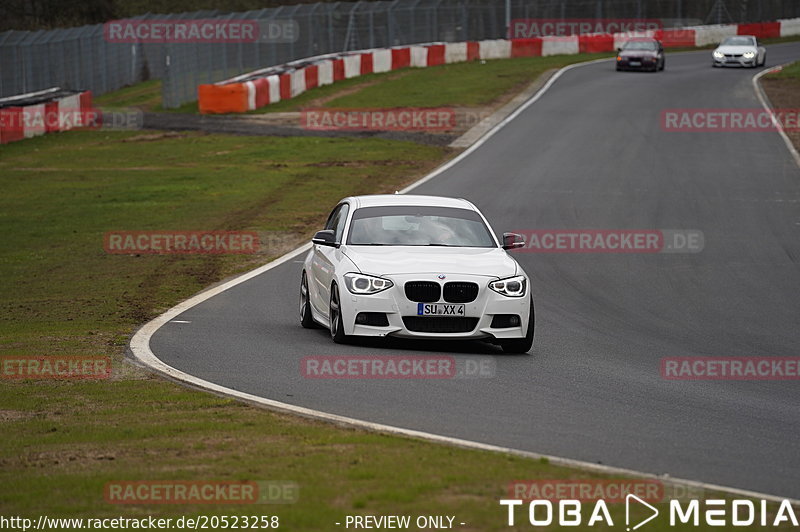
741, 51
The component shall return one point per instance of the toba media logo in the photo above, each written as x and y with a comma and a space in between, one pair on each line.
638, 512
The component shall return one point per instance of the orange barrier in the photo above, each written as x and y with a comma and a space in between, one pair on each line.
228, 98
526, 47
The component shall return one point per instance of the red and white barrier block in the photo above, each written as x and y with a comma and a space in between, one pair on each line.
52, 110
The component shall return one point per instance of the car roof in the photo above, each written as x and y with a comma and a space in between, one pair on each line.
380, 200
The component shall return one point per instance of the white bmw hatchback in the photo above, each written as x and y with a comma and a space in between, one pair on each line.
416, 267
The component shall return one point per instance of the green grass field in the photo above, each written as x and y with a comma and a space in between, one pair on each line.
62, 294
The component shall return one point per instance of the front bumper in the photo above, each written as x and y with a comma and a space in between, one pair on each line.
637, 63
395, 305
735, 61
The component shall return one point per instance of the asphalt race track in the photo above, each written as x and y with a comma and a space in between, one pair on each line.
590, 154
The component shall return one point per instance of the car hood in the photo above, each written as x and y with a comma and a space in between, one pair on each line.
735, 49
388, 260
637, 53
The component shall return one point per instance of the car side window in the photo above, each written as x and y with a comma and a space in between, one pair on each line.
334, 216
341, 219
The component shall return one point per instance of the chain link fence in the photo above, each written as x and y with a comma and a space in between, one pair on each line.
84, 58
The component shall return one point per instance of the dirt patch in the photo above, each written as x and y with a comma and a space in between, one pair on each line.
14, 415
320, 102
360, 164
151, 137
64, 457
784, 94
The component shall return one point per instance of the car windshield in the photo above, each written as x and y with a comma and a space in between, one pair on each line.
419, 226
738, 41
639, 45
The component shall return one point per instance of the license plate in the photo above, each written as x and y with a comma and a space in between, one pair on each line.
636, 63
439, 309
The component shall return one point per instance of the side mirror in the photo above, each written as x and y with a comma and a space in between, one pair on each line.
326, 237
619, 49
513, 241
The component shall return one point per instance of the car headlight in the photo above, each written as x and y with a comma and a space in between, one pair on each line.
619, 58
362, 284
749, 55
511, 287
719, 55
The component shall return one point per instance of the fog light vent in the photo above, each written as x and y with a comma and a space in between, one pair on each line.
505, 321
375, 319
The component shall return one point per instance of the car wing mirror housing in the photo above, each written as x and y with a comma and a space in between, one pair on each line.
326, 237
513, 241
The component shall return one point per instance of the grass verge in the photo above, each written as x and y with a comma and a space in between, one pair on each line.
783, 90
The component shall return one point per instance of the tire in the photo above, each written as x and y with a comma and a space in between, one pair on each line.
521, 345
764, 61
663, 64
335, 317
306, 319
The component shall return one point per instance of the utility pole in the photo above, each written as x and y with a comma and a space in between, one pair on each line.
508, 19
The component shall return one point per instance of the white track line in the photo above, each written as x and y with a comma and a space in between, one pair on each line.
762, 97
140, 347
